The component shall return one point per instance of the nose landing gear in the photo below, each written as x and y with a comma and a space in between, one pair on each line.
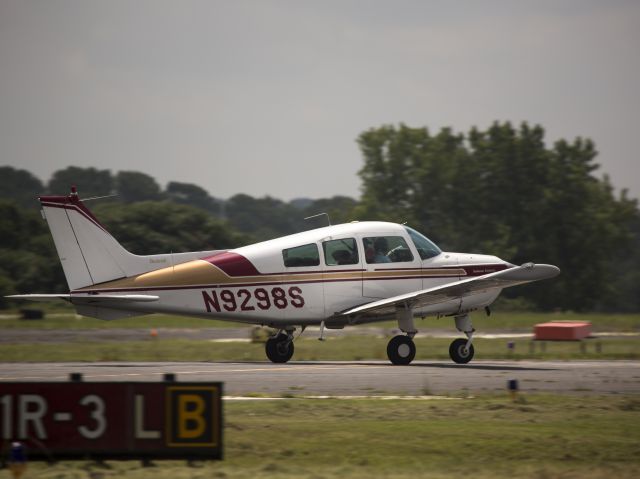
461, 351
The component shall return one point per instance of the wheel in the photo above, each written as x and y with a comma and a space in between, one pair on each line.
401, 350
279, 349
459, 352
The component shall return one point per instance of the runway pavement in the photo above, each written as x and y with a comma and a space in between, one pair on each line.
338, 378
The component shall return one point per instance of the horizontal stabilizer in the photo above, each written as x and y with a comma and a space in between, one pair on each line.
526, 273
84, 298
101, 306
40, 297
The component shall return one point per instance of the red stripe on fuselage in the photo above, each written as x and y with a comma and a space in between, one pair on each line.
233, 264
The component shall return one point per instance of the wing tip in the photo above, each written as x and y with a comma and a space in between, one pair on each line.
543, 270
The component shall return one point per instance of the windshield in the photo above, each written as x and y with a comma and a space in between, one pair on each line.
426, 248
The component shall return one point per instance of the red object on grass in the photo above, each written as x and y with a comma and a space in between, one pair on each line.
562, 331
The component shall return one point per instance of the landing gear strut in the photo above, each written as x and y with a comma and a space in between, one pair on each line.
279, 348
461, 350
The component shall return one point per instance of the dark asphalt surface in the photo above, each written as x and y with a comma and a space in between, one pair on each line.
336, 378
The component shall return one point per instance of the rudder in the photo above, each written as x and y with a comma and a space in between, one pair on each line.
83, 244
87, 251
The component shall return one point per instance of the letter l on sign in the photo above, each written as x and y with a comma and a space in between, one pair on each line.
140, 431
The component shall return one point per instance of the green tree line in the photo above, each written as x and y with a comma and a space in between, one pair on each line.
145, 218
500, 191
503, 191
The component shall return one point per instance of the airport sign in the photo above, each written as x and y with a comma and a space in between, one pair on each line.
113, 419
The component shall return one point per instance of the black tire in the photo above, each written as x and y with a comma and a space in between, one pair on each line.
459, 353
401, 350
279, 349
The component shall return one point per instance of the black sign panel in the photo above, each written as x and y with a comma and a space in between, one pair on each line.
113, 420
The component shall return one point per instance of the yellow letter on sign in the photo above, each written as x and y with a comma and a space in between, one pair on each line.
191, 423
193, 416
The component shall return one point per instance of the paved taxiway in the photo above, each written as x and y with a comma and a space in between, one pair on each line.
358, 378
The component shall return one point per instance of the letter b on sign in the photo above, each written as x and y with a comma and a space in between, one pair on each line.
192, 416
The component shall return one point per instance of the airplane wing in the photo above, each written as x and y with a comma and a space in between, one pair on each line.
526, 273
106, 299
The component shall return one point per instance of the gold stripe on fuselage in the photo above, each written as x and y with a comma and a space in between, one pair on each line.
192, 272
384, 274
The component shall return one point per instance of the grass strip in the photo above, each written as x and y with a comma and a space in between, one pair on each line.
538, 436
498, 321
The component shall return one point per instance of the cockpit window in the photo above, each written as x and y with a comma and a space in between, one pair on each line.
305, 255
426, 248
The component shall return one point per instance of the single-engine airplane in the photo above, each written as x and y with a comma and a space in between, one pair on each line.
347, 274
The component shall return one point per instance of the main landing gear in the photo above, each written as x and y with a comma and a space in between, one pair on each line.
279, 348
401, 349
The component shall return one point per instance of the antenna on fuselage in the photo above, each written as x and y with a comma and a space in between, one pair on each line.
320, 214
74, 193
98, 197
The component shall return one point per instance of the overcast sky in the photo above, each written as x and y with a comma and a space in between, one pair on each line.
268, 97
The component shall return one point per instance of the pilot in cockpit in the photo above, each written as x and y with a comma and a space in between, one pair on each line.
381, 248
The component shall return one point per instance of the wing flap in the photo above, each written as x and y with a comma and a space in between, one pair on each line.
526, 273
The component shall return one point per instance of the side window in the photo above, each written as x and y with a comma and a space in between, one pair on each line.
306, 255
340, 251
386, 249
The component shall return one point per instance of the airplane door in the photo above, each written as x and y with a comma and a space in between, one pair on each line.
341, 273
391, 267
302, 283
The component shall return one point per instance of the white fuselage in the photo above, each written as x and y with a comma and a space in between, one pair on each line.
252, 284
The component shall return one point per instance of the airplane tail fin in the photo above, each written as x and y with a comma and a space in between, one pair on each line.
87, 251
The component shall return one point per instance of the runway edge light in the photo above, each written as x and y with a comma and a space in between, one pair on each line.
512, 386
